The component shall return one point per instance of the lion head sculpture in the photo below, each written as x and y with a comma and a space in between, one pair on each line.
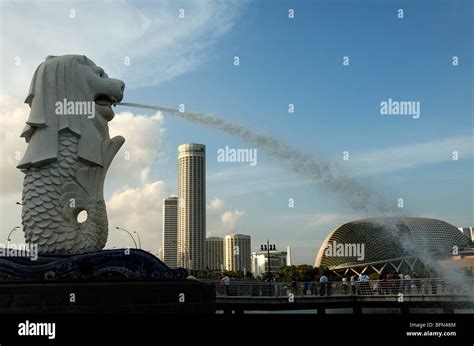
68, 79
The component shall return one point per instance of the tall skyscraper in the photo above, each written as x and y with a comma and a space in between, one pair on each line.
169, 253
288, 257
215, 253
192, 206
237, 252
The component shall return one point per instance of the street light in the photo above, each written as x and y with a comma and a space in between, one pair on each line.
267, 247
130, 234
139, 240
9, 234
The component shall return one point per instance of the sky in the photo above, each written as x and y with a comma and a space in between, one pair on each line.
282, 61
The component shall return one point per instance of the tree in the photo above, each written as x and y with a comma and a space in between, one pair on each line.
302, 273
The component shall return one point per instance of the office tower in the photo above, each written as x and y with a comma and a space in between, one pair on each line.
288, 257
215, 253
192, 206
237, 252
169, 253
278, 259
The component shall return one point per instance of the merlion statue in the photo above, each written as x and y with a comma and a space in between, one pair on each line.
69, 151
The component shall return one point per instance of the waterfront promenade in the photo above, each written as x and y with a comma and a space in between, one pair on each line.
240, 296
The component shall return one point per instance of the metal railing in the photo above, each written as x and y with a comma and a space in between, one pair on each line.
431, 286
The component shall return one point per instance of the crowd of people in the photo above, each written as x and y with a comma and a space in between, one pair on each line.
385, 283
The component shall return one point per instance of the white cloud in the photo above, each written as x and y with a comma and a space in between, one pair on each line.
143, 137
220, 221
137, 209
13, 115
231, 218
215, 204
159, 44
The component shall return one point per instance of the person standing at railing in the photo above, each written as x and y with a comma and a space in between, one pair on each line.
323, 281
294, 283
353, 284
375, 287
225, 283
407, 283
398, 283
345, 285
416, 282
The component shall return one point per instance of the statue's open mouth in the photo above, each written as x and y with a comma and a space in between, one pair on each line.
105, 100
104, 105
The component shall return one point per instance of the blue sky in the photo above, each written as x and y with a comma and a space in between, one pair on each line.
299, 61
337, 107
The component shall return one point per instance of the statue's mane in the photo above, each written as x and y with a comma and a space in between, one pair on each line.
56, 79
50, 84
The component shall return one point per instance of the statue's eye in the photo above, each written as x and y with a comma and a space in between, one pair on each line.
101, 74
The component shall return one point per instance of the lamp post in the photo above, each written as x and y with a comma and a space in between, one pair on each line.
9, 234
130, 234
239, 261
267, 247
139, 240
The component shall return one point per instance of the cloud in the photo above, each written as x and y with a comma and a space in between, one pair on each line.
143, 137
230, 219
158, 44
412, 155
137, 209
219, 221
13, 115
215, 204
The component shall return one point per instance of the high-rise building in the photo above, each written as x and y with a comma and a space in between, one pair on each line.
192, 206
215, 253
288, 256
278, 259
169, 253
237, 252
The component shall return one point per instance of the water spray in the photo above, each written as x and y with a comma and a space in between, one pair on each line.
330, 175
